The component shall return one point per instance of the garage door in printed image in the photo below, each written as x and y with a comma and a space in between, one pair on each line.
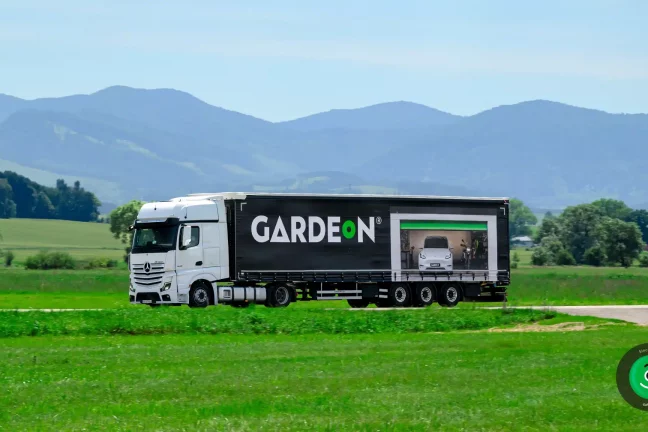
444, 245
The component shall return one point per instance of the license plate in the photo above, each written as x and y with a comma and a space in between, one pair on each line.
147, 301
435, 265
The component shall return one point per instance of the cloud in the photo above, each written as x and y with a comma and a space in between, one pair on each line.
456, 60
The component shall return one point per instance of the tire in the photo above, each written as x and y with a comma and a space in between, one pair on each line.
358, 303
279, 296
400, 295
449, 295
199, 296
424, 295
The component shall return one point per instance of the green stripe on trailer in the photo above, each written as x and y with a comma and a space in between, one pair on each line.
444, 225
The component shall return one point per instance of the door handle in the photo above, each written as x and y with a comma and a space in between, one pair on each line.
199, 263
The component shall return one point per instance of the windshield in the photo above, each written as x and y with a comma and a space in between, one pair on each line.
436, 243
155, 239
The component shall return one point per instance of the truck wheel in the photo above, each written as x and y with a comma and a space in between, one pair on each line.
449, 295
399, 295
198, 296
358, 303
278, 296
424, 296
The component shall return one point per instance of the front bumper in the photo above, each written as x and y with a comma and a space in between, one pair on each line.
165, 292
435, 265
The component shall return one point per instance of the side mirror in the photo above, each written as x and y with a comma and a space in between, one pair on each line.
185, 237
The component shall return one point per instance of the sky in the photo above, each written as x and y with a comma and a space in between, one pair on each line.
281, 59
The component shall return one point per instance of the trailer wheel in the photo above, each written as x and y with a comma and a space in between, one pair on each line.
424, 296
400, 295
279, 296
449, 295
198, 296
358, 303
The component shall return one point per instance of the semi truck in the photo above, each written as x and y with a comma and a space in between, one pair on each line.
239, 249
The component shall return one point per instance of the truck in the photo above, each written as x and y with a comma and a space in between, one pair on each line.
238, 249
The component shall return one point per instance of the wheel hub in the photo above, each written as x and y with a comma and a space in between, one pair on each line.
452, 294
200, 295
400, 294
281, 295
426, 294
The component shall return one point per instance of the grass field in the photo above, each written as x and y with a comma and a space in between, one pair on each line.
258, 320
454, 381
26, 237
304, 367
89, 289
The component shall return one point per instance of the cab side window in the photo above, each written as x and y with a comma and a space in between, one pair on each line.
194, 235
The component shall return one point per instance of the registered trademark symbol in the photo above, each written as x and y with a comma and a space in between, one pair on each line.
378, 220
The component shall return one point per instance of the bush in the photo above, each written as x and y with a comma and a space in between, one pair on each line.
95, 263
595, 256
50, 261
8, 258
516, 257
540, 257
565, 258
514, 265
643, 260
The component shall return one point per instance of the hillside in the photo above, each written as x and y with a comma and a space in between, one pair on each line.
153, 144
84, 240
381, 117
547, 153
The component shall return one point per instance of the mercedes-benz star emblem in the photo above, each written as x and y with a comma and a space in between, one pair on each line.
147, 267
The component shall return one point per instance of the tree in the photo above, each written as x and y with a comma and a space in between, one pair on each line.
621, 241
579, 229
521, 218
552, 252
548, 227
640, 217
43, 208
613, 208
121, 219
7, 205
23, 198
595, 256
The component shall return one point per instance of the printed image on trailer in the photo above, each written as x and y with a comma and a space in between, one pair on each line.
444, 245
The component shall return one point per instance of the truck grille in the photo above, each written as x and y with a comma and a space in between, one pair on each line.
153, 277
148, 297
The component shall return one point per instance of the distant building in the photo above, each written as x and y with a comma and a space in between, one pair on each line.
524, 241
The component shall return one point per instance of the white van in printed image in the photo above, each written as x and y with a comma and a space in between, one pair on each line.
436, 254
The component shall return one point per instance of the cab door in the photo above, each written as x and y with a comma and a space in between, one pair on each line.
189, 257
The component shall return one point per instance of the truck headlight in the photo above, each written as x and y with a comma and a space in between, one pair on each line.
422, 255
130, 288
166, 286
448, 256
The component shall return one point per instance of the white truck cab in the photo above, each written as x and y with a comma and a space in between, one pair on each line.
175, 244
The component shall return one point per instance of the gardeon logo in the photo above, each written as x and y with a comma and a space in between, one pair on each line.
314, 229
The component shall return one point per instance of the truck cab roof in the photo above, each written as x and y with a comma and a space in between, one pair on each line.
184, 210
244, 195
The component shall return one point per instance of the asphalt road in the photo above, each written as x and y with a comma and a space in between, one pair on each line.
636, 314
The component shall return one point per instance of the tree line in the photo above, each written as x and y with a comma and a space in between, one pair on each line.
604, 232
22, 198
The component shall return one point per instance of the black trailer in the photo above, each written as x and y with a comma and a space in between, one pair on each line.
386, 250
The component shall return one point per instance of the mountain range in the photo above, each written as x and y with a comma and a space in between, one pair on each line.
124, 143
